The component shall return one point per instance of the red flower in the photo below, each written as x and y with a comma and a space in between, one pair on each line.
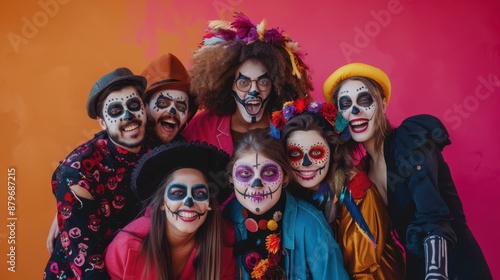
300, 105
329, 112
278, 120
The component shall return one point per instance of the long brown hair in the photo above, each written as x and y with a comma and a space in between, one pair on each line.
382, 125
208, 237
341, 158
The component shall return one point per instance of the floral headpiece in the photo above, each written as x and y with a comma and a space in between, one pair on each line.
243, 30
302, 105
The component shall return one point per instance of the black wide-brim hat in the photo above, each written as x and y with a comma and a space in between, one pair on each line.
153, 167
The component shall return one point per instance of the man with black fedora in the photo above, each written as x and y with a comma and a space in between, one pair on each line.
168, 100
92, 185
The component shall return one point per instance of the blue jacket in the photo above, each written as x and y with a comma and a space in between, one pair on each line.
310, 251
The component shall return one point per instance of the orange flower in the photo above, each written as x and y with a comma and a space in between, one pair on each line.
260, 269
273, 243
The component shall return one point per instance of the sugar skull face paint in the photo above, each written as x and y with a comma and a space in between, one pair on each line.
168, 112
124, 118
186, 200
257, 182
251, 90
357, 105
309, 155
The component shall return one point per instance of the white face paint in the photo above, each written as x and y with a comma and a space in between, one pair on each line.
168, 111
309, 155
257, 182
186, 201
252, 88
357, 106
124, 118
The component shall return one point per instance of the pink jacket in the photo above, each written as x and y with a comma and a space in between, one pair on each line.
211, 128
122, 259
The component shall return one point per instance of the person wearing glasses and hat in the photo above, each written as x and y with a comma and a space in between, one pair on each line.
408, 168
92, 185
182, 234
169, 103
240, 74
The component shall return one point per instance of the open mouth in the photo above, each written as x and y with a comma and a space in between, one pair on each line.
187, 215
306, 174
359, 125
169, 122
253, 106
131, 126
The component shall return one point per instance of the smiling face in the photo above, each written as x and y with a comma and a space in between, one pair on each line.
357, 105
186, 201
309, 155
257, 182
168, 111
124, 118
251, 89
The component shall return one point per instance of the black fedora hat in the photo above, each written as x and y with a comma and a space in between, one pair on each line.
117, 75
154, 166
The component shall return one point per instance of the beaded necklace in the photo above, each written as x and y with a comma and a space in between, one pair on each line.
262, 252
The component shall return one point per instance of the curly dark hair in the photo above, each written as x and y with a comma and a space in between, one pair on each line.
214, 67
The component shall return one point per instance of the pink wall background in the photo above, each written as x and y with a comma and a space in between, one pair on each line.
443, 58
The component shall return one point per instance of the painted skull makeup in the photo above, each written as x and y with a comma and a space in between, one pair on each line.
358, 106
124, 117
257, 182
251, 90
168, 112
309, 155
186, 200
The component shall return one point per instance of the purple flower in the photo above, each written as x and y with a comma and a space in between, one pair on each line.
273, 36
289, 112
314, 107
251, 36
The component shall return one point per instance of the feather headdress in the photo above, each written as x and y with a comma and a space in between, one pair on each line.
242, 29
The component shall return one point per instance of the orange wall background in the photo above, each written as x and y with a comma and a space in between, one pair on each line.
443, 58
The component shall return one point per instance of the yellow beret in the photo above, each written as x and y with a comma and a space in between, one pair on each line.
356, 69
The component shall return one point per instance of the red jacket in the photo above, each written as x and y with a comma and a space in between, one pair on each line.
211, 128
122, 255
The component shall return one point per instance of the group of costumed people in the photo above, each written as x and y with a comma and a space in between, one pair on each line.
231, 170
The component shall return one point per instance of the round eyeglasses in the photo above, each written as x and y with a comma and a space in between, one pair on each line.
245, 84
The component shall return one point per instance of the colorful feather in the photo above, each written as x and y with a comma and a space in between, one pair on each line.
346, 198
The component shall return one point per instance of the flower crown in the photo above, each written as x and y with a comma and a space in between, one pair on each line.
302, 105
243, 30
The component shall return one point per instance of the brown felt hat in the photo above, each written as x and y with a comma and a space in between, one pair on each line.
166, 72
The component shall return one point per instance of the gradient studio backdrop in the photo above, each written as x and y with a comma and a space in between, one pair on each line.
443, 58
